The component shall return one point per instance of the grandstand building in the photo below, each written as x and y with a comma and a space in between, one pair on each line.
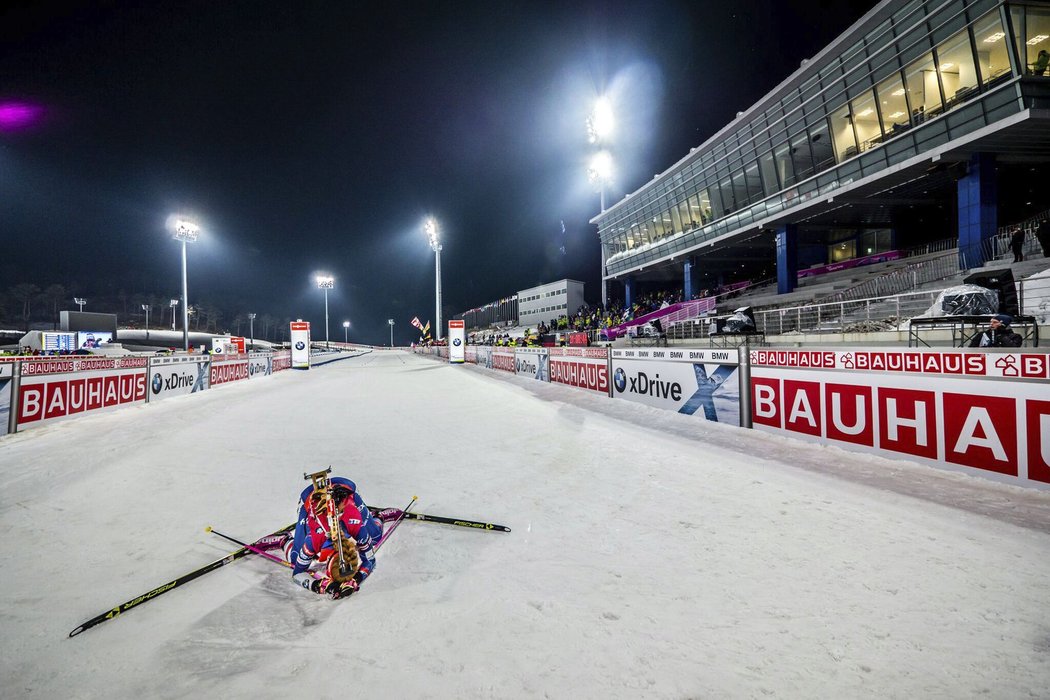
924, 121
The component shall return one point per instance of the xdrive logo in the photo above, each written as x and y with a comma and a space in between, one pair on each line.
173, 381
620, 379
643, 385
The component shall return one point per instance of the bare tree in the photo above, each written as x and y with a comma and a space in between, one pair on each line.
54, 294
25, 293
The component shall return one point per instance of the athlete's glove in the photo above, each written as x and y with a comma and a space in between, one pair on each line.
343, 590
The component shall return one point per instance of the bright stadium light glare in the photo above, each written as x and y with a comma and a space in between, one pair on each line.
601, 167
600, 124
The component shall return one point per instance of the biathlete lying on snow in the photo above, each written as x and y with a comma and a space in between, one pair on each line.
348, 559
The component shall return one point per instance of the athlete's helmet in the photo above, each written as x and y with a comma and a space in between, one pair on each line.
319, 500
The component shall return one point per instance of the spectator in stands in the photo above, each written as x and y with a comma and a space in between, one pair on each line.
1041, 62
998, 334
1017, 245
1042, 234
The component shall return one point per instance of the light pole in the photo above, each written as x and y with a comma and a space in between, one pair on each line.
391, 322
346, 331
80, 301
145, 307
600, 125
186, 232
173, 303
435, 245
325, 282
251, 331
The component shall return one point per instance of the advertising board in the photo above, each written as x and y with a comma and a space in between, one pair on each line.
457, 341
282, 360
986, 412
503, 359
259, 365
300, 339
532, 362
228, 368
177, 375
703, 383
582, 367
484, 356
55, 388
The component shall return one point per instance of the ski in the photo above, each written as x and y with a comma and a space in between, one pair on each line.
160, 590
475, 524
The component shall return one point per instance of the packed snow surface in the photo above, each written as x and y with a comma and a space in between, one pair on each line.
652, 555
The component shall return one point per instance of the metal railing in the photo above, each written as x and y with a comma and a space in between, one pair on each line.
879, 313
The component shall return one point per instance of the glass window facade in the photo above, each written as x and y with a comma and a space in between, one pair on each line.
883, 85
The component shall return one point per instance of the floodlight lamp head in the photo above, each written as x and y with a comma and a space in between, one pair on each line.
346, 324
600, 125
186, 231
325, 282
432, 234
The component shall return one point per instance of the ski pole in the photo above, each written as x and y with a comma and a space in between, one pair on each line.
250, 548
160, 590
397, 522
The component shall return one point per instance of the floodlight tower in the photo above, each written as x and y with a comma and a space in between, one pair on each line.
145, 307
186, 232
326, 282
346, 332
251, 329
173, 303
391, 322
80, 301
435, 245
600, 126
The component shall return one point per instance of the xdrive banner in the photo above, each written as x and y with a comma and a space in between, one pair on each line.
988, 412
703, 383
532, 362
177, 376
259, 365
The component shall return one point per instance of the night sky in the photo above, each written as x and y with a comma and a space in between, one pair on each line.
310, 137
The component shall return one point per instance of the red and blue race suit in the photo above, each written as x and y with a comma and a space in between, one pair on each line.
311, 533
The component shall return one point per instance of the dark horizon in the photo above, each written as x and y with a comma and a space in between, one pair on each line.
318, 138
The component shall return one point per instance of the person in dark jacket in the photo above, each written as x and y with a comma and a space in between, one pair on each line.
1017, 245
998, 334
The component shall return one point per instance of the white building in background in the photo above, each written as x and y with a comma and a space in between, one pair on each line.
549, 301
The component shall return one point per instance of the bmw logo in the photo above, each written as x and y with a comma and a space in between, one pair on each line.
620, 379
157, 384
300, 345
457, 342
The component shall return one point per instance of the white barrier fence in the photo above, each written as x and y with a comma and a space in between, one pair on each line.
985, 413
36, 391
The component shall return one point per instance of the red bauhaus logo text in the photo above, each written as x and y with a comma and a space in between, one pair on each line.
56, 399
975, 430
